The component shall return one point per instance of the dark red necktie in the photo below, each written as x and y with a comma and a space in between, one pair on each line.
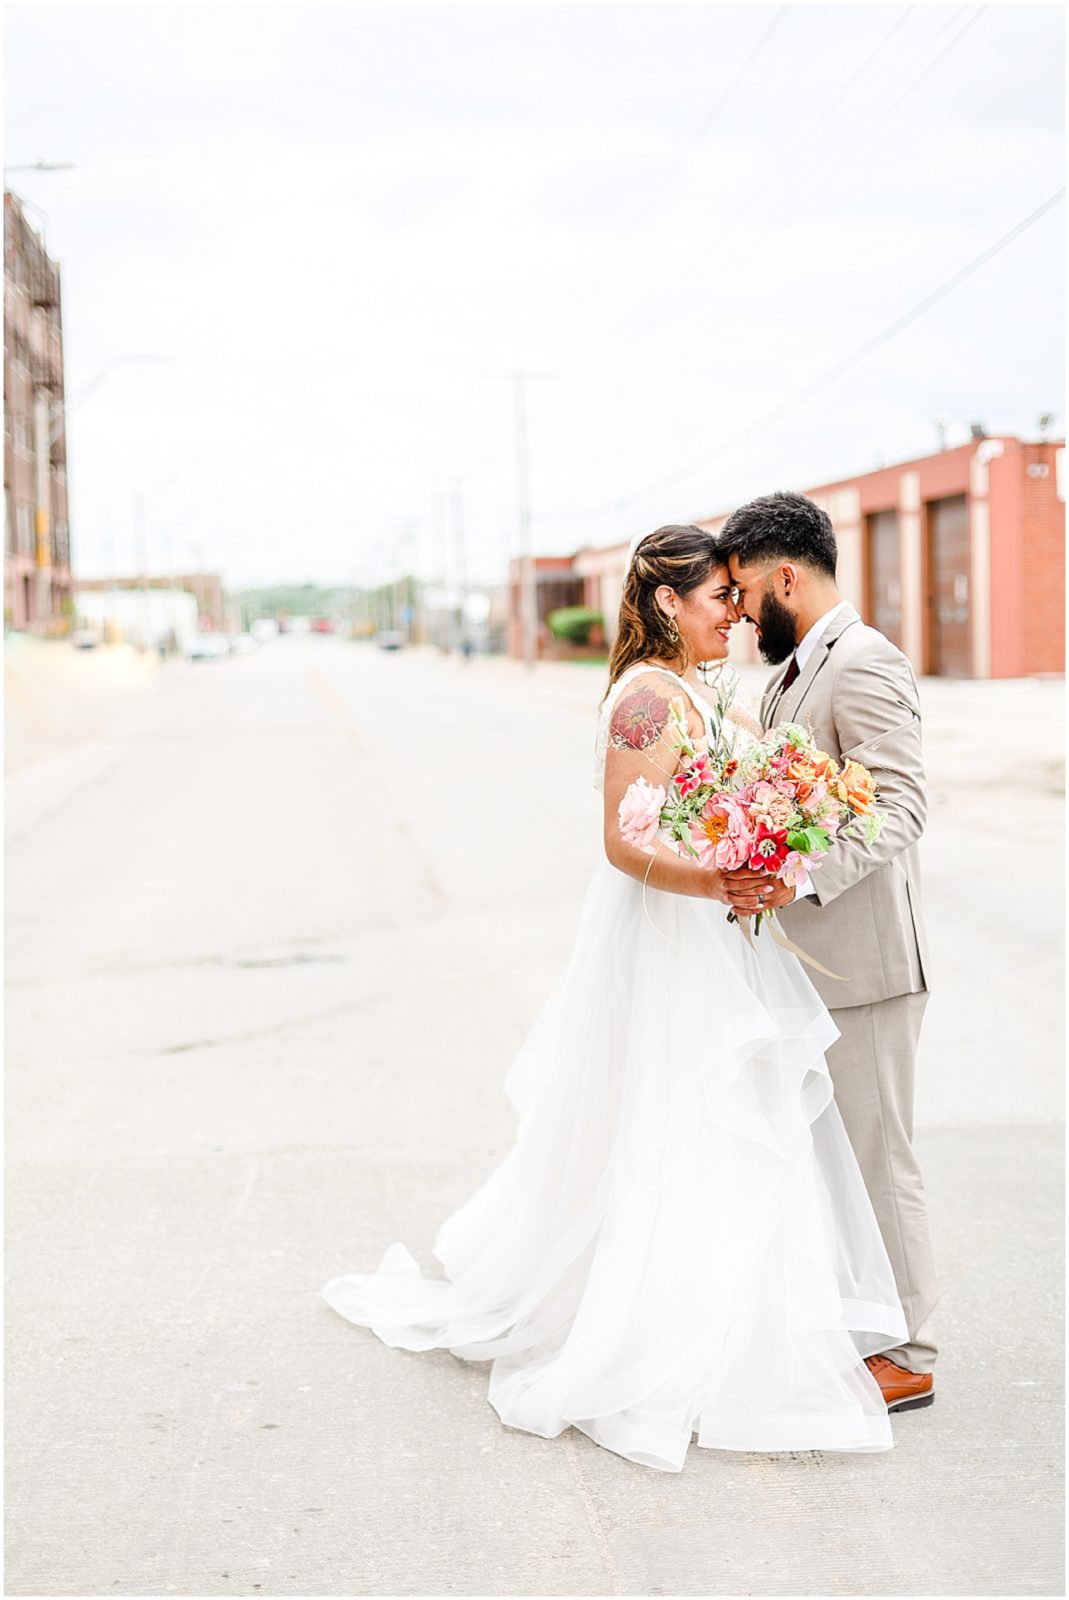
788, 678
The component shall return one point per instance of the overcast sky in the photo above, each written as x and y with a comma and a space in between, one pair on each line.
340, 228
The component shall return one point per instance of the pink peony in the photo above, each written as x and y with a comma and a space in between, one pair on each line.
738, 842
640, 814
722, 835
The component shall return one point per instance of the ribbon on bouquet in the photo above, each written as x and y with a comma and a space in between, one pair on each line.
786, 944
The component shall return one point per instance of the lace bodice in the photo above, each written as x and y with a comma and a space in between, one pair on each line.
601, 746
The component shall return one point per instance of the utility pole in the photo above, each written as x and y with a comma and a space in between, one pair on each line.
200, 588
456, 501
403, 546
142, 570
441, 575
528, 591
111, 621
527, 571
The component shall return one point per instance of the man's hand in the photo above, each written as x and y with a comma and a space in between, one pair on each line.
751, 892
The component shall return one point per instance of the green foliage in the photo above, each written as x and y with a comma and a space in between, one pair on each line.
574, 623
349, 606
297, 599
808, 840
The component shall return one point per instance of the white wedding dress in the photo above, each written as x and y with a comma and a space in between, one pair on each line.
680, 1240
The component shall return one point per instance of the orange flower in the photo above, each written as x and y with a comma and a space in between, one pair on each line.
855, 787
825, 768
803, 774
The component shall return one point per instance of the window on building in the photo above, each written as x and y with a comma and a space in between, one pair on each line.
24, 437
24, 526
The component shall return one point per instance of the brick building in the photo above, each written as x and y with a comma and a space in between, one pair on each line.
557, 584
37, 569
958, 557
205, 587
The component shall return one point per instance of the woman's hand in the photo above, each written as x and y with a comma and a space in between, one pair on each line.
743, 897
716, 887
751, 892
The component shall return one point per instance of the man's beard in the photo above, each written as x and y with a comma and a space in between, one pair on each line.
777, 630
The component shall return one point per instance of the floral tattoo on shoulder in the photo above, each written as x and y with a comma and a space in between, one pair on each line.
638, 720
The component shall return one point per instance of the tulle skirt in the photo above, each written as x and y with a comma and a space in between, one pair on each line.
679, 1242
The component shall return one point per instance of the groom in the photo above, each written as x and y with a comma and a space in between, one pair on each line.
861, 916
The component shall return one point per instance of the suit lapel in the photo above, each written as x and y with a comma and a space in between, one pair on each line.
791, 703
772, 690
789, 706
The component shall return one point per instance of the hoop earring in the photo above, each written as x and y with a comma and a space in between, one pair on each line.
673, 630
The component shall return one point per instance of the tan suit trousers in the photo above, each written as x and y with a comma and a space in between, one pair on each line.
872, 1067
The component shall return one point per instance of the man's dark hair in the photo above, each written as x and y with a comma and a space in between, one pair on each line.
780, 527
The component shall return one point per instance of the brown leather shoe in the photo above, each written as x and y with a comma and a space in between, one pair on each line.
902, 1390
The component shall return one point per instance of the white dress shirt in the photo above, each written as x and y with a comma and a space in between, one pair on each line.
804, 650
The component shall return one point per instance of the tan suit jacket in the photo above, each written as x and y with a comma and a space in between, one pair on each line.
862, 920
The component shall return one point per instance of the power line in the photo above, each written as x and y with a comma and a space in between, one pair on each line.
621, 238
836, 371
798, 144
621, 320
707, 123
828, 172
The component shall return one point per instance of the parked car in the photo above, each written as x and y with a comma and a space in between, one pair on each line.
243, 644
208, 647
390, 639
85, 638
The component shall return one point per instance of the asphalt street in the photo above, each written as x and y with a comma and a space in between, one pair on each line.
275, 928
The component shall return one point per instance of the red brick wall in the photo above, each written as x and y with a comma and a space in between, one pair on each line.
940, 475
1043, 528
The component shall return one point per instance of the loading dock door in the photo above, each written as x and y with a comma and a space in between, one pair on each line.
949, 597
884, 575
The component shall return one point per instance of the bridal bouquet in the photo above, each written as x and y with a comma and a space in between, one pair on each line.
775, 807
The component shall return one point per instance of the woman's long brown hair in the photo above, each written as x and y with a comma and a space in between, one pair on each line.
680, 555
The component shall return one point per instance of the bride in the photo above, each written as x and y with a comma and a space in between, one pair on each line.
679, 1242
